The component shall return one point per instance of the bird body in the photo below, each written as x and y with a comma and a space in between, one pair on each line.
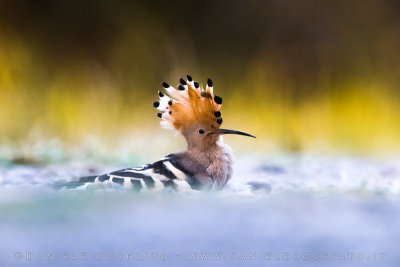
206, 163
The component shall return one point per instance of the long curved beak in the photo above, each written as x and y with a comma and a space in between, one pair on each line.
227, 131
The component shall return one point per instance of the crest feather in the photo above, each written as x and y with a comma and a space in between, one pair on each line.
189, 104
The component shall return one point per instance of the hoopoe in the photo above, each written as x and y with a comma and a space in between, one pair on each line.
206, 163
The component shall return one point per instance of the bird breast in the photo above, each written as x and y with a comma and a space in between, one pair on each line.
220, 168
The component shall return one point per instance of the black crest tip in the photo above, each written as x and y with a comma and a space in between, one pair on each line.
219, 121
217, 114
181, 87
196, 84
209, 83
189, 78
156, 104
160, 94
182, 81
170, 102
159, 115
165, 85
218, 99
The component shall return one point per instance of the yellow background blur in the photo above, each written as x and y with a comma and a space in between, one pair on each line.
300, 75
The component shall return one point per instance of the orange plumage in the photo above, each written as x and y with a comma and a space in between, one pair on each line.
188, 105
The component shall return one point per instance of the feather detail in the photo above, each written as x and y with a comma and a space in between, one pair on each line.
163, 102
188, 104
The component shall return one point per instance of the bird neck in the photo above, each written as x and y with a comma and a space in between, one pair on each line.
208, 148
216, 159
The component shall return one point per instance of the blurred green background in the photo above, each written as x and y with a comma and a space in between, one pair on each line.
305, 75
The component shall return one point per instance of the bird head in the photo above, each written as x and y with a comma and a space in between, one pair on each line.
193, 111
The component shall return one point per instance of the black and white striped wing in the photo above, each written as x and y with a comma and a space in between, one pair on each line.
165, 173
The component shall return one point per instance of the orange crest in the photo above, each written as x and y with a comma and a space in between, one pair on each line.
188, 105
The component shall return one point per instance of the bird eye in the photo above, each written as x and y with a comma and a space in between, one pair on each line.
201, 131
